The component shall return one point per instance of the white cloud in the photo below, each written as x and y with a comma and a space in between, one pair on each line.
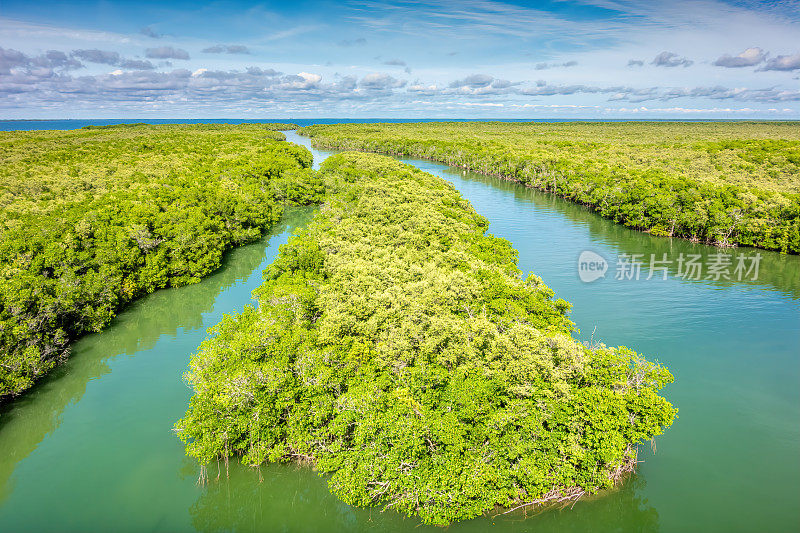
491, 66
790, 62
670, 59
473, 81
380, 82
748, 58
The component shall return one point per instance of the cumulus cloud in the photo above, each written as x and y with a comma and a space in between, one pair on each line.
750, 57
56, 59
482, 85
249, 82
166, 52
257, 71
670, 59
544, 89
420, 89
145, 81
783, 63
10, 58
253, 84
635, 63
473, 81
345, 85
302, 81
150, 32
39, 81
136, 64
226, 49
380, 82
52, 59
97, 56
105, 57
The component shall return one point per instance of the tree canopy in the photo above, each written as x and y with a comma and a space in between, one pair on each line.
398, 347
93, 218
719, 183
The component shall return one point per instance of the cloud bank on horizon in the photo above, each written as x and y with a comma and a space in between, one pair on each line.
401, 58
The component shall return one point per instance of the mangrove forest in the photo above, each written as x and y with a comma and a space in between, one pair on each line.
396, 344
398, 348
94, 218
720, 183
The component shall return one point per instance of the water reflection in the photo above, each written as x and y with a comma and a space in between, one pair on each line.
27, 420
294, 498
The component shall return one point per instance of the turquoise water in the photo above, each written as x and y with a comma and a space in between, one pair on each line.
91, 447
731, 462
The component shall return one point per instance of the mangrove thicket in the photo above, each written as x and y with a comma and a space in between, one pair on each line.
398, 348
91, 219
721, 183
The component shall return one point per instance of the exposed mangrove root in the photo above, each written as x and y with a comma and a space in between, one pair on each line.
560, 497
203, 478
554, 497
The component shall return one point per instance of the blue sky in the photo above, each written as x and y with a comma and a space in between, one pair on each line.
477, 58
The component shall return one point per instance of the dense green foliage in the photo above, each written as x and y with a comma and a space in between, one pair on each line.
718, 183
398, 347
91, 219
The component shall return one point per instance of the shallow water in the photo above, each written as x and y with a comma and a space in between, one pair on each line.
91, 447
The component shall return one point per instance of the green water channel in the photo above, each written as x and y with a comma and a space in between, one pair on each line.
91, 447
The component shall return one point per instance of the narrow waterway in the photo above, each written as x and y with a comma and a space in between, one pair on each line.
91, 447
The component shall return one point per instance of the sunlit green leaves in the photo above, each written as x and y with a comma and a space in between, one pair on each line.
397, 345
719, 183
92, 219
